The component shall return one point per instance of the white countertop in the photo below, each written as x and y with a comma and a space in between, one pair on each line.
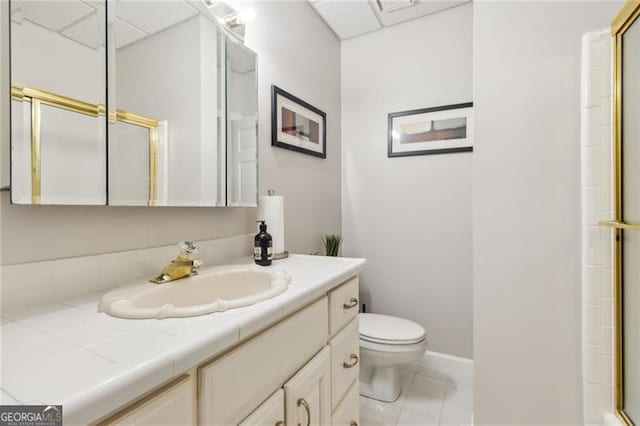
91, 363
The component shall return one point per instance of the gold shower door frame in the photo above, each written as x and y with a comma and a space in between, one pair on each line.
37, 98
627, 16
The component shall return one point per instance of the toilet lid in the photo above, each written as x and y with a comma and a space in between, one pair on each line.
389, 330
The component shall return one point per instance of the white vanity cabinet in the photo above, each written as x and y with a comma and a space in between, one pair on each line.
301, 371
345, 352
233, 385
270, 413
306, 396
343, 305
308, 393
348, 410
173, 404
345, 361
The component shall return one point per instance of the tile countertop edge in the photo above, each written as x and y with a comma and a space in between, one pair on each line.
102, 400
109, 397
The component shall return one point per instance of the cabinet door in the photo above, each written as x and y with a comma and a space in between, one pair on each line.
270, 413
348, 411
308, 393
171, 405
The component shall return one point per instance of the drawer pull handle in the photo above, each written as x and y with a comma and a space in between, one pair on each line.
303, 403
354, 359
352, 303
282, 423
353, 423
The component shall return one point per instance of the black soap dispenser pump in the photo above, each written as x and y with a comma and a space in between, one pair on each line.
263, 246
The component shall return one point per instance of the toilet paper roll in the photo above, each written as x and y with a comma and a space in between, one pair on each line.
271, 210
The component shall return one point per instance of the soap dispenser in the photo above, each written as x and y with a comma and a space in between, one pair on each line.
263, 246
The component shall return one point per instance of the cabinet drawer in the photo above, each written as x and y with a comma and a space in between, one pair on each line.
232, 386
347, 413
270, 413
345, 361
171, 405
343, 305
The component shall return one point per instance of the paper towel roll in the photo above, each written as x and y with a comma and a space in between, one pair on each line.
271, 210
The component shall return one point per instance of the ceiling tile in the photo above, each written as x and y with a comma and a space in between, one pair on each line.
153, 16
16, 7
89, 30
55, 15
125, 34
347, 18
386, 6
420, 8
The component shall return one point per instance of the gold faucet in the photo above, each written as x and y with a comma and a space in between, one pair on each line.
181, 267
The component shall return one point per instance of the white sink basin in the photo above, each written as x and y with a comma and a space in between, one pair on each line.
212, 290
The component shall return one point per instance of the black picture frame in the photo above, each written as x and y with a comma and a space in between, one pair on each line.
391, 116
275, 93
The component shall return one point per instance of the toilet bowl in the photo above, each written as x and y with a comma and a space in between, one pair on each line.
386, 343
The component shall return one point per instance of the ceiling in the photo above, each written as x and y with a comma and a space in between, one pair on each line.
351, 18
83, 21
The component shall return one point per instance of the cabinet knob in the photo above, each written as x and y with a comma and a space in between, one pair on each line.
353, 302
353, 423
354, 361
303, 403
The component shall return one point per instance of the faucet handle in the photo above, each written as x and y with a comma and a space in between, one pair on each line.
188, 249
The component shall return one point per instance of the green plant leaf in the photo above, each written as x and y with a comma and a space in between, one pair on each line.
331, 244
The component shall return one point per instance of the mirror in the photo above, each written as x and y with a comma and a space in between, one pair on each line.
242, 125
58, 91
174, 125
168, 100
627, 109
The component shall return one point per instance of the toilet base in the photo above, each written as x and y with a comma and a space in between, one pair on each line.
380, 383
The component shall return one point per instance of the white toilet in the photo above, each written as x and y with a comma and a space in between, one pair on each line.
386, 343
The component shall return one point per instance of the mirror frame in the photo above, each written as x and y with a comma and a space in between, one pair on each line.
627, 16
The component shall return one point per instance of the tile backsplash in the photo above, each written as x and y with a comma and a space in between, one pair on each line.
35, 283
597, 205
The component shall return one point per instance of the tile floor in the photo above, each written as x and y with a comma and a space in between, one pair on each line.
436, 390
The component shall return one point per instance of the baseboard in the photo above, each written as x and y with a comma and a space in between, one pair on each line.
447, 356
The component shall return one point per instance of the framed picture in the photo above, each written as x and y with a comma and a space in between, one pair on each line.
297, 125
438, 130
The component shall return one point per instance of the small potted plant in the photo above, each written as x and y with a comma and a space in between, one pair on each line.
331, 244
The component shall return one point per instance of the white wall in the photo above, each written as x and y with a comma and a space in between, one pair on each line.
526, 215
280, 33
410, 216
298, 53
